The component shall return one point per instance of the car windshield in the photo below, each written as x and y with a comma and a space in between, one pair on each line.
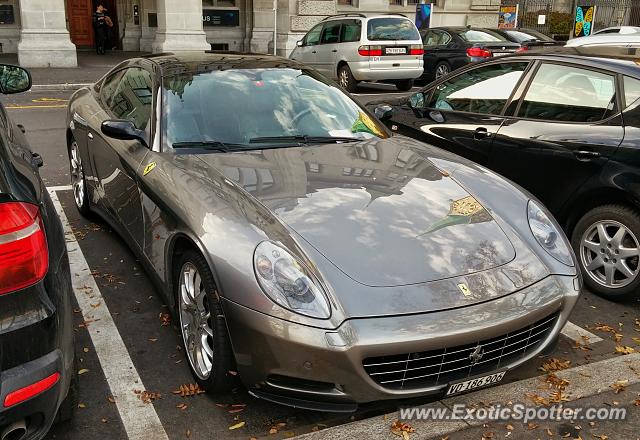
521, 36
248, 108
480, 36
391, 28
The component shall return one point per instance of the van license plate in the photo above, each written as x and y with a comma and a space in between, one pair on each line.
395, 50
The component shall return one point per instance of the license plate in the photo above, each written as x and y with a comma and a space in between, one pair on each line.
478, 382
500, 54
395, 50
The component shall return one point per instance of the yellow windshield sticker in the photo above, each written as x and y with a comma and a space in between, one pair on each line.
149, 168
365, 124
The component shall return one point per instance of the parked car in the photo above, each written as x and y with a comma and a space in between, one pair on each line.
528, 38
353, 48
566, 127
618, 30
301, 245
606, 40
36, 336
449, 48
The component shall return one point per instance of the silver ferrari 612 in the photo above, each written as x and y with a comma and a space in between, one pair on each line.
302, 244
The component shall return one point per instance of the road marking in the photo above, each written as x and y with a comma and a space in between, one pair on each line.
59, 188
35, 106
140, 420
579, 334
49, 100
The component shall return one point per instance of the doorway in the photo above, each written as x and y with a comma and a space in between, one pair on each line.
80, 16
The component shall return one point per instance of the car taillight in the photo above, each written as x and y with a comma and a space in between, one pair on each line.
22, 394
370, 51
416, 49
24, 257
478, 52
522, 49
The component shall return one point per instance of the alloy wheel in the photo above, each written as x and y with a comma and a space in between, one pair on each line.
77, 176
195, 321
344, 78
610, 254
442, 70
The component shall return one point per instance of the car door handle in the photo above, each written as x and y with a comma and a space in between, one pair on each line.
334, 50
313, 51
586, 155
21, 128
90, 136
481, 133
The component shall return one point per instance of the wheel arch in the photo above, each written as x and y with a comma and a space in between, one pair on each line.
577, 208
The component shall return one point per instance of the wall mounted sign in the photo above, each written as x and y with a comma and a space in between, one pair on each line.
508, 17
583, 26
424, 13
221, 17
6, 14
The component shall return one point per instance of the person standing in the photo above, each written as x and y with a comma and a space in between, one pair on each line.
101, 27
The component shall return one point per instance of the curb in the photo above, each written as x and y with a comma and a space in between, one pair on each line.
584, 381
58, 87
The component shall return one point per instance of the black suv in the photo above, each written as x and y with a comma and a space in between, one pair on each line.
564, 124
36, 328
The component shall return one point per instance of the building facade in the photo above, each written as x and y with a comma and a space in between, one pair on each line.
48, 33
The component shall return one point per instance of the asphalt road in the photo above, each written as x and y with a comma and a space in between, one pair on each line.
154, 348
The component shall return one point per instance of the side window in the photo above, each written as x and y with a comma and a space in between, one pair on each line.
631, 91
445, 38
331, 33
572, 94
482, 90
351, 31
313, 37
430, 38
108, 87
132, 97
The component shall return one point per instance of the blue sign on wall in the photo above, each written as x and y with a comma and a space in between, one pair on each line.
424, 11
221, 17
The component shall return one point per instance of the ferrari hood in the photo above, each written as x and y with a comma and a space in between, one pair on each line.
380, 211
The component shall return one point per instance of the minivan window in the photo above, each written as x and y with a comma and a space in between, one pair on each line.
331, 33
631, 91
391, 28
483, 90
313, 37
351, 30
572, 94
480, 36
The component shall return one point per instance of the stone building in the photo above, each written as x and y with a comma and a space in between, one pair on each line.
47, 33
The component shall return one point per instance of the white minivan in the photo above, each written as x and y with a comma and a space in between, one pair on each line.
354, 47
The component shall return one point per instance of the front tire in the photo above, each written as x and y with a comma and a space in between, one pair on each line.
404, 85
346, 79
202, 324
78, 182
606, 242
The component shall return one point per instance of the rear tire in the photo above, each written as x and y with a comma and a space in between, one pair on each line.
404, 85
346, 79
442, 68
607, 244
202, 324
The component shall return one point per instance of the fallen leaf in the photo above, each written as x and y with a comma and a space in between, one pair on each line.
619, 385
111, 399
531, 426
237, 425
82, 371
509, 427
624, 349
188, 433
165, 319
81, 405
601, 437
103, 420
190, 389
555, 364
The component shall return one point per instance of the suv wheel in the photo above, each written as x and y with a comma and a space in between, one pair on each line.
404, 85
346, 79
606, 241
202, 324
442, 68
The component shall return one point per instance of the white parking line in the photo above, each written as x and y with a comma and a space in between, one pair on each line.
140, 420
579, 334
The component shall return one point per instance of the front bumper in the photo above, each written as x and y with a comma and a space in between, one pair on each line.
39, 411
314, 368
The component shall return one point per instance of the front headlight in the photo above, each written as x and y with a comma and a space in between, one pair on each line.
288, 282
549, 237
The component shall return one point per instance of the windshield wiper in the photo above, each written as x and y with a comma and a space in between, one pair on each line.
210, 145
304, 139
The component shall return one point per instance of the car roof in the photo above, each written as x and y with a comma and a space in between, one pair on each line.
619, 59
176, 63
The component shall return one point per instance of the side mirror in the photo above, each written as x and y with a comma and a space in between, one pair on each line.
299, 43
383, 112
416, 100
14, 79
123, 130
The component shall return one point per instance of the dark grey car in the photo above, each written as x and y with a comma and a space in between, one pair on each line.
303, 245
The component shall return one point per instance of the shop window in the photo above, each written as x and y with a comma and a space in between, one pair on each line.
219, 3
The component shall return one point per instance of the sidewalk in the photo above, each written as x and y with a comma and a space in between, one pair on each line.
90, 67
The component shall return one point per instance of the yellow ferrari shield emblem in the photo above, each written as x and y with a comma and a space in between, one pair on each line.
464, 289
149, 168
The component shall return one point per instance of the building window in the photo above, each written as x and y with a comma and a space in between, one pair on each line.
413, 2
396, 2
345, 2
219, 3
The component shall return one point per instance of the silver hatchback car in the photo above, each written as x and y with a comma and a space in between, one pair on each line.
353, 48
